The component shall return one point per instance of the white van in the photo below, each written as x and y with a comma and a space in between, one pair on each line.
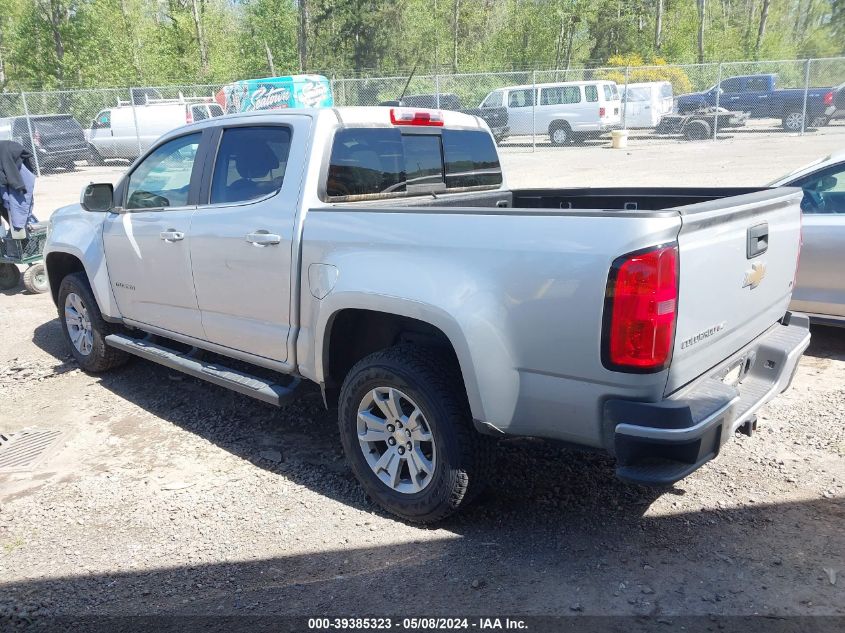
113, 131
565, 111
644, 104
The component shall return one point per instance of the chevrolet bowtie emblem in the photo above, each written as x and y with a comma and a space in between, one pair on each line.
754, 276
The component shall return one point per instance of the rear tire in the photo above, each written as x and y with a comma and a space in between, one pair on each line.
793, 121
35, 279
84, 328
10, 276
424, 390
560, 133
95, 159
697, 130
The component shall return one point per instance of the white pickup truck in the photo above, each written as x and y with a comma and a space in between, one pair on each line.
379, 253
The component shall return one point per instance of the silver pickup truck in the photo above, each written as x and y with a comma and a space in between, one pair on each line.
379, 253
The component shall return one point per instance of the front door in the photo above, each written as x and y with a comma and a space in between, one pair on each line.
820, 287
147, 245
241, 239
521, 111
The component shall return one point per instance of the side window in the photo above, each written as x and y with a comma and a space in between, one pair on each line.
250, 163
825, 192
666, 91
215, 110
471, 159
164, 177
592, 93
757, 84
560, 95
521, 98
102, 121
199, 112
731, 85
493, 100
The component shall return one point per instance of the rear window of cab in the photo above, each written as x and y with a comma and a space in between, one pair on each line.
385, 162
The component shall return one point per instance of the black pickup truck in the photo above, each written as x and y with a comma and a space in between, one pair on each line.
496, 118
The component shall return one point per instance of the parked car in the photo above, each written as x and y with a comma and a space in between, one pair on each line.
392, 266
496, 118
839, 102
56, 139
762, 99
820, 285
566, 111
644, 104
119, 132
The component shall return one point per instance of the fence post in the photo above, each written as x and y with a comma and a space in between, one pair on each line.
533, 110
718, 94
625, 100
135, 119
31, 137
806, 90
437, 88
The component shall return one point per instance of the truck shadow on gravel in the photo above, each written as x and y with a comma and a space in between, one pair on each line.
765, 559
555, 533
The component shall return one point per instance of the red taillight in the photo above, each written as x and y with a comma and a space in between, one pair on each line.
399, 116
602, 111
828, 98
641, 306
189, 116
36, 136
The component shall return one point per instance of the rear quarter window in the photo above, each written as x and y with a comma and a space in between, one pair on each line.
471, 159
384, 161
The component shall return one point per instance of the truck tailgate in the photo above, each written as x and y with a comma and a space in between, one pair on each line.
737, 267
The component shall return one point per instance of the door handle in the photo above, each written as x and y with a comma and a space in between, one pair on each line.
263, 238
172, 235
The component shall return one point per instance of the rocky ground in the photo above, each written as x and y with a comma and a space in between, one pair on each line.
167, 495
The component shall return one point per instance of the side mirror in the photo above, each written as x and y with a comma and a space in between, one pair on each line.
98, 197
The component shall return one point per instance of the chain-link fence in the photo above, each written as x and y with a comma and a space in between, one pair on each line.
525, 110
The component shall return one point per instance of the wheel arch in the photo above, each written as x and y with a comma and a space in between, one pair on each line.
61, 263
355, 330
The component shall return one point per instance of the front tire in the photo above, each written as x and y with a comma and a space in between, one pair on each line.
697, 130
35, 279
84, 328
407, 432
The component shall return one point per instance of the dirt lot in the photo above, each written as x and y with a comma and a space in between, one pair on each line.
166, 495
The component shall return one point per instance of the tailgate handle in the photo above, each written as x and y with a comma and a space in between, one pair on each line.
758, 240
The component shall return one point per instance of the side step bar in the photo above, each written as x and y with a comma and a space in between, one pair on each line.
246, 384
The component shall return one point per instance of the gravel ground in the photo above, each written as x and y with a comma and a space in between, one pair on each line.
171, 496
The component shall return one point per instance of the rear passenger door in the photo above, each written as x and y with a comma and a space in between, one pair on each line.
242, 234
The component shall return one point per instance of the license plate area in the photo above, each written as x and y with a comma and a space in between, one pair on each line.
734, 374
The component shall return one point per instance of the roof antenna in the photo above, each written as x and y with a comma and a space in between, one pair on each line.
408, 83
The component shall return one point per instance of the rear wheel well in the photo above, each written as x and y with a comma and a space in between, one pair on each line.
355, 334
59, 266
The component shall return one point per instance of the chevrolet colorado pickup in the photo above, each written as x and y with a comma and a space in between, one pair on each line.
379, 253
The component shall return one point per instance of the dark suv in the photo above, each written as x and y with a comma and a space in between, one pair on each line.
56, 139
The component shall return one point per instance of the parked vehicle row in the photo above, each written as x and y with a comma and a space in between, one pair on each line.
57, 140
759, 96
331, 245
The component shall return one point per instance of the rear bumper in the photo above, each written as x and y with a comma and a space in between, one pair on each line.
659, 443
